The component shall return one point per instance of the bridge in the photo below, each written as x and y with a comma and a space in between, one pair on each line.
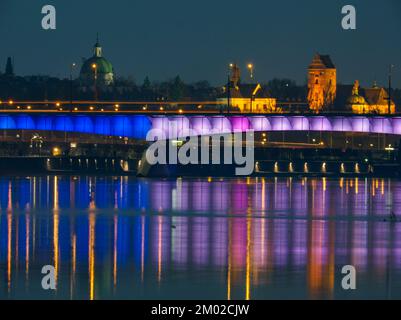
136, 125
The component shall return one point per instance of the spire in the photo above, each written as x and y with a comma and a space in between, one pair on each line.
98, 48
9, 68
355, 89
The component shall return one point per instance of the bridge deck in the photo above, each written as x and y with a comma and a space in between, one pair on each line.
172, 125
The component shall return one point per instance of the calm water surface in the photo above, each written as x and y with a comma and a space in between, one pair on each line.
258, 238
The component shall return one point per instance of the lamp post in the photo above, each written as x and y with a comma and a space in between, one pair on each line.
250, 68
389, 87
231, 66
72, 66
94, 67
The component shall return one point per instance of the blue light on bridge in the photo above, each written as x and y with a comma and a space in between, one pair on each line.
131, 126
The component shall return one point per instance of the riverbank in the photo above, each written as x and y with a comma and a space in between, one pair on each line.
120, 166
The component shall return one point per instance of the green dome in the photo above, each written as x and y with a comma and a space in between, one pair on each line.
102, 65
356, 99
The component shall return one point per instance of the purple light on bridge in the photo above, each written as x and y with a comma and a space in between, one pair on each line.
320, 124
341, 124
220, 124
260, 123
239, 124
381, 125
201, 125
161, 124
179, 127
396, 124
280, 123
299, 123
360, 124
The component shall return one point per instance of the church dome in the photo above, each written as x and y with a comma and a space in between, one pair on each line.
355, 98
99, 66
102, 65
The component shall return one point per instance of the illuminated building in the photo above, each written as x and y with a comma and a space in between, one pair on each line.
249, 97
369, 100
324, 93
97, 69
322, 83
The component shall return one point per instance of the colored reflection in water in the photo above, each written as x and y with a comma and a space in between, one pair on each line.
254, 238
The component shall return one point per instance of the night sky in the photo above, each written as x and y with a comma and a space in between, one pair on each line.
198, 39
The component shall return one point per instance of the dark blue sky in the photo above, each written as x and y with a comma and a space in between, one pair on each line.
197, 39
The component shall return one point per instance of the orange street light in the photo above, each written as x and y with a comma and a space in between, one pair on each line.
250, 68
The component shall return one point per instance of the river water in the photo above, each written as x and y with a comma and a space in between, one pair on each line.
256, 238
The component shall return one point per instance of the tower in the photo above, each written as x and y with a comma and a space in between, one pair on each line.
322, 83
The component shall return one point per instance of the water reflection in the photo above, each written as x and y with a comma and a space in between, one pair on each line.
255, 238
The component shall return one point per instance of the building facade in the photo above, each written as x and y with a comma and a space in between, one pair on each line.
369, 100
322, 83
247, 98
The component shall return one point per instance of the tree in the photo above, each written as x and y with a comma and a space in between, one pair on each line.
177, 89
285, 90
146, 89
9, 68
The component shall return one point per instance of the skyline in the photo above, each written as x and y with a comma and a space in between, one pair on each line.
51, 52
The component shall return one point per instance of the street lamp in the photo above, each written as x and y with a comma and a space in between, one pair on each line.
94, 67
72, 66
250, 68
229, 78
389, 87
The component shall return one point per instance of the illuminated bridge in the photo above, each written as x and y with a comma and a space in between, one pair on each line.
137, 125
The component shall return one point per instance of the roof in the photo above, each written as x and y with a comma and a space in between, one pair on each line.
102, 66
376, 96
373, 96
246, 91
320, 61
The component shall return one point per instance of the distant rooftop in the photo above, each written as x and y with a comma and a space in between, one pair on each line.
322, 61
